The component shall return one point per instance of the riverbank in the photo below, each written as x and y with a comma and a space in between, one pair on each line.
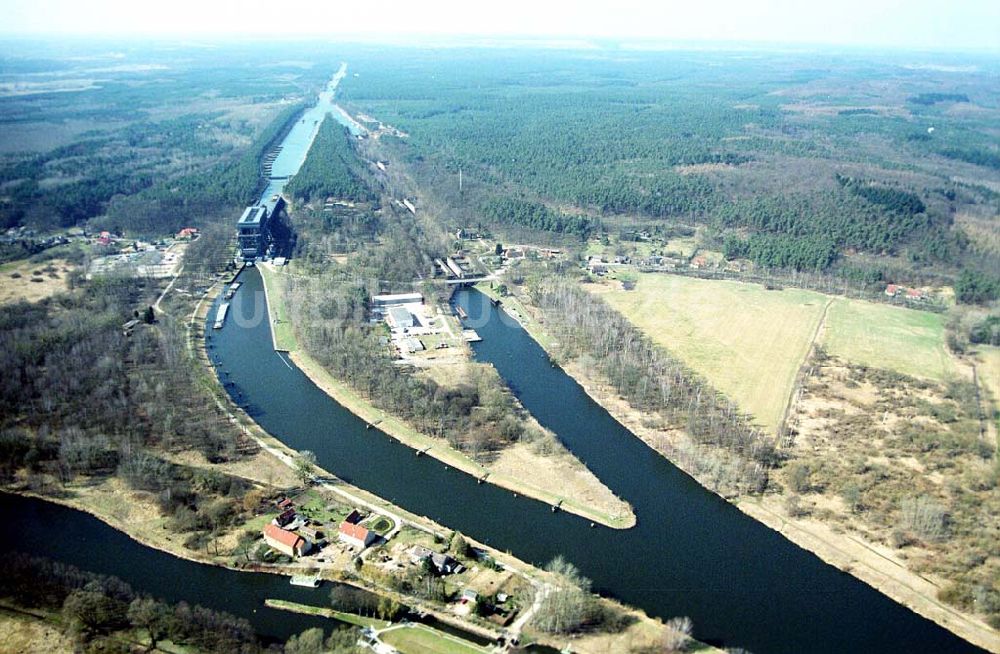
873, 564
571, 486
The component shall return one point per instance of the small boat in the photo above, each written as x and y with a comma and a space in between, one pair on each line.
305, 581
461, 312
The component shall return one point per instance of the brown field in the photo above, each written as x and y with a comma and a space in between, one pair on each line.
24, 280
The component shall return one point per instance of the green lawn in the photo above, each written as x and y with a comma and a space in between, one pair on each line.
420, 639
883, 336
281, 325
306, 609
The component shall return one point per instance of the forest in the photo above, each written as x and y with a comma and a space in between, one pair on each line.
331, 169
786, 160
83, 398
104, 614
160, 146
534, 215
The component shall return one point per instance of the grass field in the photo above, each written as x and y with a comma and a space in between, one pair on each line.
419, 639
747, 341
883, 336
989, 373
274, 283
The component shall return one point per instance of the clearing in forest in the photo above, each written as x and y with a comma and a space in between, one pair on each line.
893, 338
25, 280
747, 341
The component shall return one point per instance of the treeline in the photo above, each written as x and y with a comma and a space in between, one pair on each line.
902, 202
929, 99
331, 168
80, 398
974, 287
535, 215
104, 613
653, 381
780, 251
797, 230
185, 200
329, 308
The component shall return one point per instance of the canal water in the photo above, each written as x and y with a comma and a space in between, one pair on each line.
74, 537
691, 552
295, 146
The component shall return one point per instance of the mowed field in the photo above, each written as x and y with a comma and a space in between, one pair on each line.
747, 341
884, 336
750, 342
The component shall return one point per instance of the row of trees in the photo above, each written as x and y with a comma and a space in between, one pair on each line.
535, 215
652, 380
97, 608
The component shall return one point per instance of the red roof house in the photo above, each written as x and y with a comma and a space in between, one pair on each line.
284, 541
357, 535
914, 294
891, 290
187, 232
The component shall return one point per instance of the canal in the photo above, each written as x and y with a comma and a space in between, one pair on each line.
76, 538
691, 552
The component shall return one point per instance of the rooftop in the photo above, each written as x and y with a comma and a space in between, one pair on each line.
281, 535
253, 216
353, 530
398, 298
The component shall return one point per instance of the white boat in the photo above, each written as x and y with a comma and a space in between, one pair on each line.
305, 581
220, 316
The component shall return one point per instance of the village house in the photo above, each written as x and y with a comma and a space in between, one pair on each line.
286, 542
355, 535
892, 290
442, 563
286, 517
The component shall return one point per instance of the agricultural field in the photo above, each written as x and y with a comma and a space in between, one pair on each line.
894, 338
747, 341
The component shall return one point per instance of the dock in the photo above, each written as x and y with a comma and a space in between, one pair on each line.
471, 336
305, 581
231, 291
461, 312
220, 316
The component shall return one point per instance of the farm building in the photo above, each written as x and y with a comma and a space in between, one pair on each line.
286, 517
356, 535
286, 542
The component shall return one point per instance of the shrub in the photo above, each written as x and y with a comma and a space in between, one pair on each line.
924, 517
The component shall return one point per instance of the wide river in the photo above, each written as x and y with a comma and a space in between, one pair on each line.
691, 552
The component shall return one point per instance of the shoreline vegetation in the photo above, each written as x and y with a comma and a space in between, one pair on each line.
868, 562
611, 511
130, 512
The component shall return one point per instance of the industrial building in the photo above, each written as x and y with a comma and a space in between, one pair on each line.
381, 304
254, 226
253, 233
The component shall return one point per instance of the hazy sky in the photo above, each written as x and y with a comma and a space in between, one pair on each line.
938, 24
